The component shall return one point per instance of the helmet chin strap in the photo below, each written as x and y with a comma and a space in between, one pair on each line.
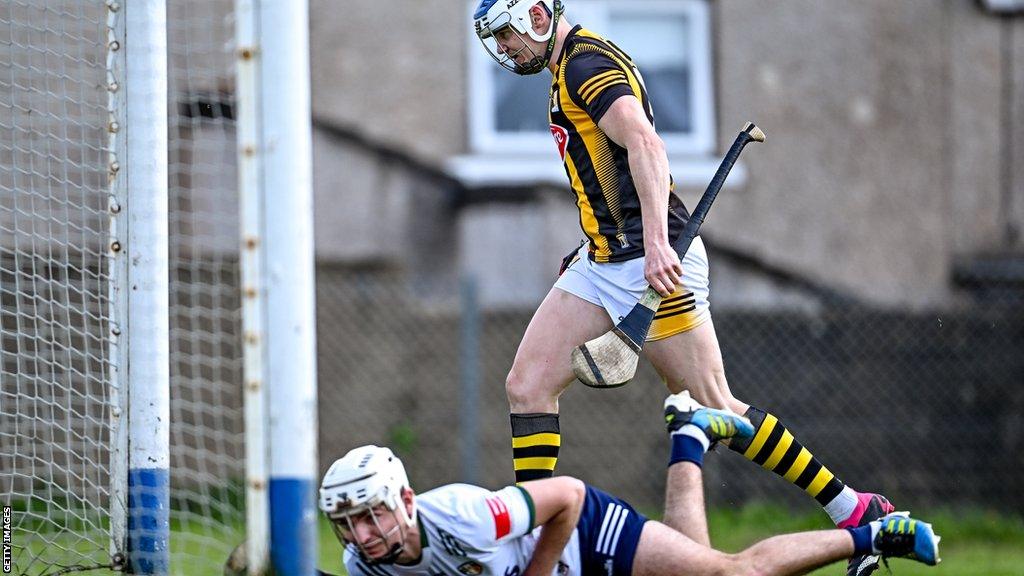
538, 63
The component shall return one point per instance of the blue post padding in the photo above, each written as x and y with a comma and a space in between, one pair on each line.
149, 524
293, 538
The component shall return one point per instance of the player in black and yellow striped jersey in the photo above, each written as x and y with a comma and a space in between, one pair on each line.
602, 121
591, 74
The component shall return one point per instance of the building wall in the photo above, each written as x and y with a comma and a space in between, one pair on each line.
887, 152
895, 130
394, 69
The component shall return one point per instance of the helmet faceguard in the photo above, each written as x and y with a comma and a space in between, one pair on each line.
360, 487
493, 17
344, 527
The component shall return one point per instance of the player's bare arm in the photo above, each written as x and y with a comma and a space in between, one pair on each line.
557, 504
626, 124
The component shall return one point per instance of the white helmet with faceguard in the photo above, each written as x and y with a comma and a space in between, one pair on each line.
359, 486
493, 17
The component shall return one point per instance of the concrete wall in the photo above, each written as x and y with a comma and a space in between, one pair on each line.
887, 139
895, 129
395, 69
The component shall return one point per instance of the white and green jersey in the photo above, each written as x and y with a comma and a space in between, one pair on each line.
470, 530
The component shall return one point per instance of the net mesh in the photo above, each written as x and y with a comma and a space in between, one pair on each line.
55, 318
55, 395
207, 448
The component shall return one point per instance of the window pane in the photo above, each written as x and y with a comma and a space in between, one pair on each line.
660, 46
521, 102
670, 94
653, 38
667, 39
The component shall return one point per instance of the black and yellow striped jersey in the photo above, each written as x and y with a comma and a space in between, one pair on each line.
592, 73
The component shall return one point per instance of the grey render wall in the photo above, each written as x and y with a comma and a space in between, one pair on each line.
394, 69
891, 138
896, 129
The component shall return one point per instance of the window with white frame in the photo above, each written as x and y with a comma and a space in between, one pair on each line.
669, 40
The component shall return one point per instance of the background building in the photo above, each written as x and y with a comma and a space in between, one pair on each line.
867, 261
888, 203
889, 171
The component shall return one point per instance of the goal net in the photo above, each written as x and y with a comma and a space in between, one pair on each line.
56, 390
59, 388
207, 446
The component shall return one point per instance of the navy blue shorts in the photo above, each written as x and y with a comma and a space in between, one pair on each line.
609, 531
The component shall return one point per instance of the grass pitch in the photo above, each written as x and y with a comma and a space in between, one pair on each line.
974, 543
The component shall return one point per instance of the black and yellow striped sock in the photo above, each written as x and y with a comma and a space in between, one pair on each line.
535, 442
774, 448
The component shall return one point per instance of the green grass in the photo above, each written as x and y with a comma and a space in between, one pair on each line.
974, 543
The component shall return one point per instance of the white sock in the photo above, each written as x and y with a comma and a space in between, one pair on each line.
693, 431
842, 505
876, 525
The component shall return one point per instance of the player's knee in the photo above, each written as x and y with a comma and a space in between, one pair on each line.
515, 387
714, 398
523, 393
744, 564
719, 563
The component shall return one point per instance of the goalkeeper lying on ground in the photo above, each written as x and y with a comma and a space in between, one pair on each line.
563, 526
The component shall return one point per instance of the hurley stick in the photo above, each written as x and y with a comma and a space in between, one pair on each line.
610, 359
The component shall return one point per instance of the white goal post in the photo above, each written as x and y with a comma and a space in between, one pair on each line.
84, 268
279, 317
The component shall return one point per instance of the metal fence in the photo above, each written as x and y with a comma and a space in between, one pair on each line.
926, 406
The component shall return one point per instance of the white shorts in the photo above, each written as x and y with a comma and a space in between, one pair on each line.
617, 286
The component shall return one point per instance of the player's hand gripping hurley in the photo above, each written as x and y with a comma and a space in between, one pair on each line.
610, 359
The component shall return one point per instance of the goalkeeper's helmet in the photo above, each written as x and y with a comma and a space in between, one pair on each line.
494, 18
357, 488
